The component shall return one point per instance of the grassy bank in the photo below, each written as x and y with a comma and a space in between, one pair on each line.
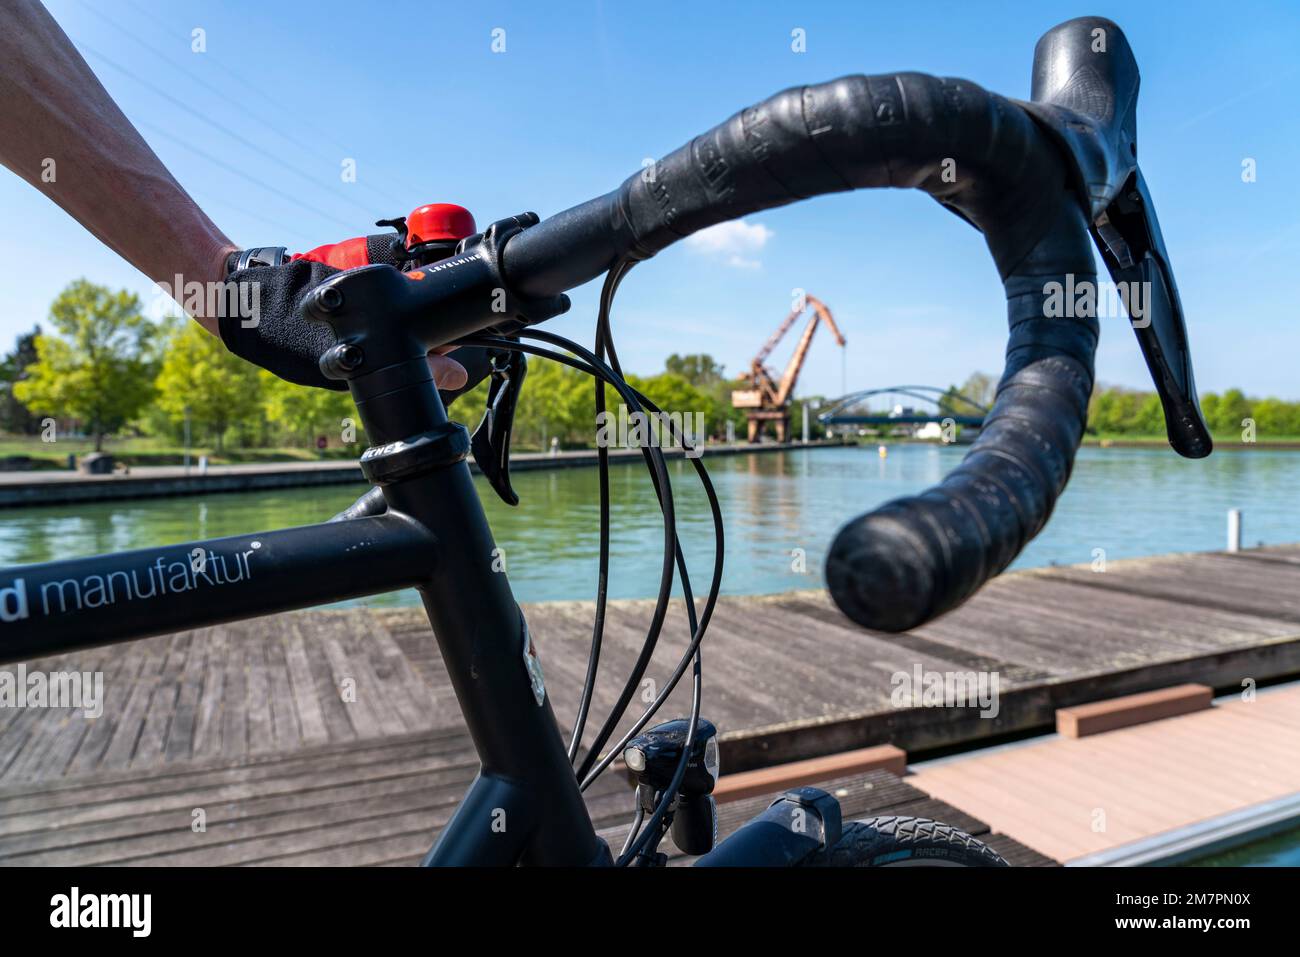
1222, 441
152, 451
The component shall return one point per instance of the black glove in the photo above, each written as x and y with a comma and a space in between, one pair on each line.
268, 329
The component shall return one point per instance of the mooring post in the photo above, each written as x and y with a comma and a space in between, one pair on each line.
1234, 529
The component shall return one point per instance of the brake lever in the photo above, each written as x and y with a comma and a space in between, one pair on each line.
1085, 92
490, 444
1130, 242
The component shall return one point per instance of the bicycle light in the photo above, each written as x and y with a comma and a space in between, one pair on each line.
652, 757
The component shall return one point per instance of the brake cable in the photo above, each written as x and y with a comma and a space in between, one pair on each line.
594, 365
697, 629
612, 280
639, 846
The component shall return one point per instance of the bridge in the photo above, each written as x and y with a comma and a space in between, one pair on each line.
854, 408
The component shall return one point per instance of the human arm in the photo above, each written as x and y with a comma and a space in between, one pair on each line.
62, 132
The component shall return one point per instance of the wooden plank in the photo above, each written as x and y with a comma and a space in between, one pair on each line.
180, 732
379, 694
119, 677
303, 684
286, 727
274, 798
257, 703
162, 705
252, 829
54, 733
185, 794
208, 718
411, 696
126, 734
334, 710
23, 797
1099, 716
234, 718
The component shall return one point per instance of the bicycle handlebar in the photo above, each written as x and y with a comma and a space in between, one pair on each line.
1034, 178
976, 153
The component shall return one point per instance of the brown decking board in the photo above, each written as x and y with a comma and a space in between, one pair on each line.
1070, 798
363, 803
1098, 717
786, 676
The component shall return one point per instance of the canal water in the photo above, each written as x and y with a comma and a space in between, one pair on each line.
781, 511
1280, 850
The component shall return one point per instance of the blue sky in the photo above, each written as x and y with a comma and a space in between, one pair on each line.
257, 128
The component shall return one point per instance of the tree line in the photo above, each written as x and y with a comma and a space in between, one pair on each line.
105, 369
1119, 411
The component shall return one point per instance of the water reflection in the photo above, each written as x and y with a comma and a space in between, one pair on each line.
1128, 501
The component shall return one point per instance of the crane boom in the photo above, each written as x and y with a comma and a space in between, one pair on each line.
777, 336
769, 400
795, 366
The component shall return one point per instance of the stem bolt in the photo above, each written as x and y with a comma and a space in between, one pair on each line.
329, 298
349, 357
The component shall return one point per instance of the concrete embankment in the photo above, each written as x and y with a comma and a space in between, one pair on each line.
22, 489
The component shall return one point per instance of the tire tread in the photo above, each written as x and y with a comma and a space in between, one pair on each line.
868, 842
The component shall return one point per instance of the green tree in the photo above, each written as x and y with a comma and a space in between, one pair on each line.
1228, 412
217, 387
1149, 418
980, 387
14, 416
99, 367
305, 412
557, 402
817, 405
699, 369
957, 401
1274, 418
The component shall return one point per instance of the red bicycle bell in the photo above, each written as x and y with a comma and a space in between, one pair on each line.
438, 223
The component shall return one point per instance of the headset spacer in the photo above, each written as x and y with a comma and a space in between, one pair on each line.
426, 452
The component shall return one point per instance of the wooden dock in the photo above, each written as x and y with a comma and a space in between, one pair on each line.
786, 677
365, 804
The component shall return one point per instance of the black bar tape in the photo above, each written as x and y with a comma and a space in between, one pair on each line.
982, 157
897, 130
914, 558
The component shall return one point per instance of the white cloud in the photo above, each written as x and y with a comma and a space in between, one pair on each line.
734, 242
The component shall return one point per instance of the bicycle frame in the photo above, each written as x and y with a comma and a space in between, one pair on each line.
524, 806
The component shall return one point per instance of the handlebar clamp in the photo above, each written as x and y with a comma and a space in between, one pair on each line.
383, 318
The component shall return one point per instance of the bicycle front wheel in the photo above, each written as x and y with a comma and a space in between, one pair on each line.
905, 842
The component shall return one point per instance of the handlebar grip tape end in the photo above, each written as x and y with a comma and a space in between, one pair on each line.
915, 558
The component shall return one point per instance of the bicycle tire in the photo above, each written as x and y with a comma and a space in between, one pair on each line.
905, 842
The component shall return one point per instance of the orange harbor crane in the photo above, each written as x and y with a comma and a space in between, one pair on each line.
766, 399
